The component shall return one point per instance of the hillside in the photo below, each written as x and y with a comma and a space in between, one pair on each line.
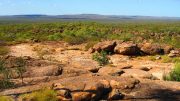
88, 60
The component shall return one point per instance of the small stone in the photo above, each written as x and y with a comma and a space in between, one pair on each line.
158, 57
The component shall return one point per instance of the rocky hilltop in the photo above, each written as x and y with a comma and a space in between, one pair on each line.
128, 71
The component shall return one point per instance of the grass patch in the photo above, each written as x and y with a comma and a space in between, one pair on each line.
174, 74
42, 95
6, 98
167, 59
152, 58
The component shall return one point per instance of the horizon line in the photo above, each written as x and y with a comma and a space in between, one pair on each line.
90, 14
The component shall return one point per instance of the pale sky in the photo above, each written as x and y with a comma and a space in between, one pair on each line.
169, 8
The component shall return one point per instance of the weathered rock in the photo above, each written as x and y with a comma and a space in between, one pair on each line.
127, 49
151, 49
174, 53
107, 46
52, 70
81, 96
158, 75
136, 73
124, 85
113, 71
69, 71
85, 63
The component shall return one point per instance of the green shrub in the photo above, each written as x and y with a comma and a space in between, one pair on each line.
42, 95
174, 74
4, 50
101, 58
5, 98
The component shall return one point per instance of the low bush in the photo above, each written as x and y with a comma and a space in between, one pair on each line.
174, 74
101, 58
42, 95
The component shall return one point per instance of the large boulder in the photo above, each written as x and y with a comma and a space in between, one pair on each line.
127, 49
107, 46
151, 49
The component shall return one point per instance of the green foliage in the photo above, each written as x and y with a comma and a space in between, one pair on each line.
42, 95
101, 58
5, 98
4, 50
174, 74
81, 32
